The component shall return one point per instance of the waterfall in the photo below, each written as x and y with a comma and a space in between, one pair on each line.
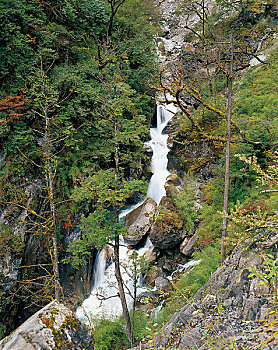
158, 144
104, 282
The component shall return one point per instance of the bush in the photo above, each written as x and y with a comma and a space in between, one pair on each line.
110, 335
184, 201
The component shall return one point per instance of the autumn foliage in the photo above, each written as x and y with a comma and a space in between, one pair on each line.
11, 107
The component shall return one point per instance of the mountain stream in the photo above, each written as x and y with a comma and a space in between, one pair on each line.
101, 302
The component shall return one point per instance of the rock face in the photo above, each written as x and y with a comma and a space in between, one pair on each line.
231, 306
153, 274
140, 221
197, 157
168, 230
53, 327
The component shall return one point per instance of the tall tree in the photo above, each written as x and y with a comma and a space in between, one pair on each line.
108, 190
227, 159
51, 128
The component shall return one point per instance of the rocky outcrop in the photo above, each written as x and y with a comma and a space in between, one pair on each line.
139, 222
167, 231
188, 155
145, 298
153, 274
173, 185
229, 308
53, 327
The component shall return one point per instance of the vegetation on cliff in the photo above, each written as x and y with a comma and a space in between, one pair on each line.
66, 67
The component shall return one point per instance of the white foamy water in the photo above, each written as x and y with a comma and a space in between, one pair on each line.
105, 284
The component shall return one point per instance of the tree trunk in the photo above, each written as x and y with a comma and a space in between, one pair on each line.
50, 189
227, 165
58, 288
117, 246
114, 5
122, 292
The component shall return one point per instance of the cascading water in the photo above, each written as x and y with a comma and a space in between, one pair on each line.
104, 283
158, 144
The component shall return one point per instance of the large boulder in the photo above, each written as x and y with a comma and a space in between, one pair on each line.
173, 184
168, 230
53, 327
139, 222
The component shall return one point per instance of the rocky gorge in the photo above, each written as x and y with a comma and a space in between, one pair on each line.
235, 309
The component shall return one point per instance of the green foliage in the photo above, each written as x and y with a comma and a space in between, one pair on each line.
110, 335
9, 243
256, 106
168, 220
269, 274
140, 320
10, 194
210, 260
97, 229
19, 24
103, 188
2, 330
259, 213
184, 201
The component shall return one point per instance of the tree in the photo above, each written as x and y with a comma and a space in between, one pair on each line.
114, 7
227, 159
52, 129
257, 218
199, 90
200, 9
108, 190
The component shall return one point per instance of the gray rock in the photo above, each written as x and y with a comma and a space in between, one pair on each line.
264, 314
191, 339
54, 326
187, 246
150, 255
163, 284
257, 288
209, 300
251, 308
145, 297
139, 221
173, 185
153, 274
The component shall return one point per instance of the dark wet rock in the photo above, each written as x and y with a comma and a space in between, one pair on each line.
153, 274
173, 185
168, 230
145, 298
